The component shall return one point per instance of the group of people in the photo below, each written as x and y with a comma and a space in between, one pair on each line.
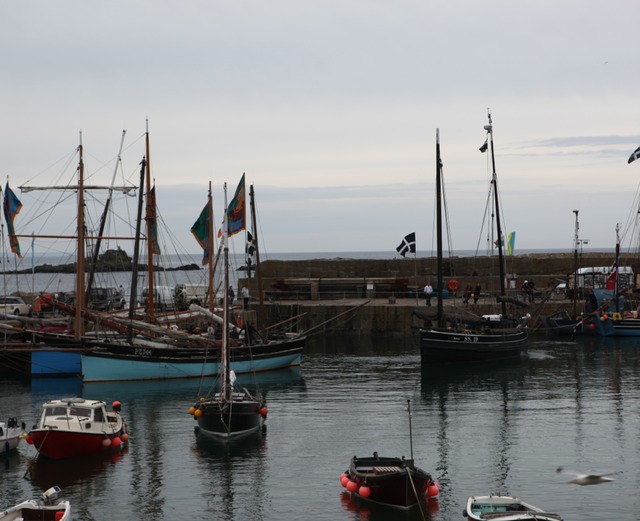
231, 295
469, 293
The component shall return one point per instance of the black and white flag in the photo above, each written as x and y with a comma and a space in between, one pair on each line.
250, 247
408, 244
634, 156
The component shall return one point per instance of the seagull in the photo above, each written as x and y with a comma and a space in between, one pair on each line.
587, 479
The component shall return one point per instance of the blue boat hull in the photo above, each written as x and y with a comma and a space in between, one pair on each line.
135, 363
58, 362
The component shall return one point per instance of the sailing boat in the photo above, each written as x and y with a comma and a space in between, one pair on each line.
228, 412
457, 339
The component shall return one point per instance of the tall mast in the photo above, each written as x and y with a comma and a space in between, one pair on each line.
575, 265
225, 387
496, 202
210, 242
149, 220
136, 250
254, 227
439, 283
79, 304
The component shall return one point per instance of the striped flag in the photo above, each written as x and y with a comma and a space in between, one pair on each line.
408, 244
634, 156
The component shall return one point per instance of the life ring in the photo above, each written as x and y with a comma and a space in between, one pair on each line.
617, 316
453, 285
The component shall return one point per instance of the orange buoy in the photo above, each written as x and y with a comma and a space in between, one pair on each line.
197, 413
28, 439
344, 479
124, 437
106, 442
192, 409
364, 491
453, 285
352, 486
116, 441
433, 489
264, 411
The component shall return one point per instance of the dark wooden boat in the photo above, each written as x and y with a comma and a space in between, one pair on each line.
396, 482
476, 338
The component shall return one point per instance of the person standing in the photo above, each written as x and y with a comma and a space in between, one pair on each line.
245, 297
428, 292
468, 292
476, 293
231, 295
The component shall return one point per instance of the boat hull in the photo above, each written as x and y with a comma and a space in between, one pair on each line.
154, 363
505, 508
449, 346
55, 444
393, 482
32, 509
228, 419
9, 440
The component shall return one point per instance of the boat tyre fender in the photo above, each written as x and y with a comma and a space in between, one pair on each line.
617, 316
453, 285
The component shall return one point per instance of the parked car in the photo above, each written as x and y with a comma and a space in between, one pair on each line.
105, 299
14, 306
163, 298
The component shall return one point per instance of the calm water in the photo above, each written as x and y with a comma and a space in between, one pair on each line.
477, 429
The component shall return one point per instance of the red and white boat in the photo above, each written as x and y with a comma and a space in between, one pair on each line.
76, 427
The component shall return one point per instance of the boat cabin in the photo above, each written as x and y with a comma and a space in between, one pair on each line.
72, 410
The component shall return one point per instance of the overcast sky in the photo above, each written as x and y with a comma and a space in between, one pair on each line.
331, 109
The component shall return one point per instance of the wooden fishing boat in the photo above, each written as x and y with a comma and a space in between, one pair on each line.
228, 412
504, 508
47, 508
391, 481
73, 427
490, 337
10, 434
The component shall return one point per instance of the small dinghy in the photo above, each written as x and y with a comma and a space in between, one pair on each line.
504, 508
47, 508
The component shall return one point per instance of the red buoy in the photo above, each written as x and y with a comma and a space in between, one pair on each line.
106, 442
352, 486
124, 437
116, 441
28, 439
264, 411
364, 491
433, 489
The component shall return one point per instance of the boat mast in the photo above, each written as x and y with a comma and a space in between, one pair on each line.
440, 282
103, 221
254, 228
225, 387
210, 242
575, 266
136, 251
79, 300
149, 220
494, 181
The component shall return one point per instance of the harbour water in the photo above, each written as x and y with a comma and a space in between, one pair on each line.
478, 428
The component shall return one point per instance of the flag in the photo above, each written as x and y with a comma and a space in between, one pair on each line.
250, 247
200, 231
511, 242
484, 146
634, 156
236, 211
407, 245
155, 247
12, 207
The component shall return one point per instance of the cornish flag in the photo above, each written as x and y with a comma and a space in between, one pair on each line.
408, 244
634, 156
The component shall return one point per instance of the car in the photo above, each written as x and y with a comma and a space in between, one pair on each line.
14, 306
105, 299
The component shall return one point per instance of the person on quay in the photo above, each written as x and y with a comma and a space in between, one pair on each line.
428, 293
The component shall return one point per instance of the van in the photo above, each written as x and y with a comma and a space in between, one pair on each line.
163, 298
187, 294
105, 299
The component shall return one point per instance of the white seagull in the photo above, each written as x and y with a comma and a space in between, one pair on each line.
587, 479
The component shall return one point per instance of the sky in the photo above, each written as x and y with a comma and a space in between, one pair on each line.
330, 108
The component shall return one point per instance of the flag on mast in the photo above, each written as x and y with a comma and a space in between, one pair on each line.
634, 156
200, 231
237, 210
12, 207
155, 246
408, 244
511, 243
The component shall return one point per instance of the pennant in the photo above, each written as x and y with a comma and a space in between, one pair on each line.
408, 244
634, 156
155, 246
12, 207
200, 231
610, 283
484, 146
511, 240
236, 211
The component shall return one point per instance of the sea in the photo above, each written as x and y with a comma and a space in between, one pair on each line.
478, 428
